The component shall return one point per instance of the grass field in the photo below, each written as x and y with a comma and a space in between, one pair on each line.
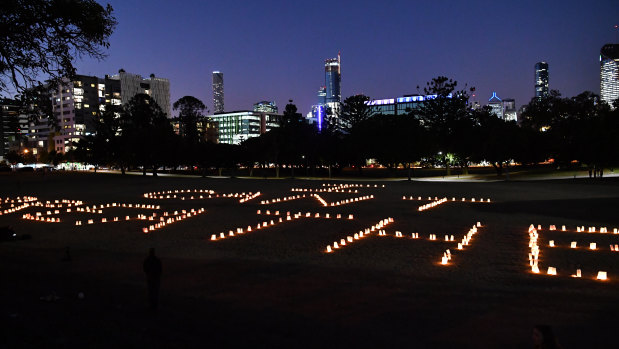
277, 287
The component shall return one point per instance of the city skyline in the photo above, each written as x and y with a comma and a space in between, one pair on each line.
385, 53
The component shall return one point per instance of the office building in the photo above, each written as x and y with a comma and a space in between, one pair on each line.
496, 105
133, 84
13, 126
218, 92
238, 126
609, 73
510, 113
333, 80
404, 105
541, 80
322, 95
76, 105
265, 107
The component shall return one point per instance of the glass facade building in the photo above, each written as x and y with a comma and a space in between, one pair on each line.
235, 127
509, 110
398, 106
496, 105
333, 80
609, 73
541, 80
218, 92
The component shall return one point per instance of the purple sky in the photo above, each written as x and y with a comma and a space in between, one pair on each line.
275, 50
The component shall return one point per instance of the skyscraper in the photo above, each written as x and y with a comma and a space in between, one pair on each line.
218, 92
322, 95
496, 105
609, 73
333, 79
541, 80
509, 110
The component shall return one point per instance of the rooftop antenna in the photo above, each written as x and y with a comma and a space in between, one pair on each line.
616, 27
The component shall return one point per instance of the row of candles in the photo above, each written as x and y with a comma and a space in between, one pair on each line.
592, 245
466, 240
199, 194
307, 214
240, 231
534, 257
60, 203
579, 229
162, 194
15, 208
97, 210
30, 217
352, 185
284, 199
323, 202
327, 190
144, 217
431, 204
361, 234
419, 198
18, 200
175, 219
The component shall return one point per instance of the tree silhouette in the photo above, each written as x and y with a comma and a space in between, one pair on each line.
446, 116
145, 132
354, 111
191, 111
43, 37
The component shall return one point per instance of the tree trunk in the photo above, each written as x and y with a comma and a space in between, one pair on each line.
409, 169
329, 167
154, 171
507, 172
143, 170
277, 171
251, 171
498, 168
123, 170
219, 171
465, 170
292, 168
448, 169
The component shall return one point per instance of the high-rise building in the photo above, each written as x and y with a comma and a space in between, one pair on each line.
218, 92
496, 105
13, 126
609, 73
322, 95
541, 80
333, 80
266, 107
77, 102
133, 84
509, 110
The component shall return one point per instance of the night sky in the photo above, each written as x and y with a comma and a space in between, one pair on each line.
275, 50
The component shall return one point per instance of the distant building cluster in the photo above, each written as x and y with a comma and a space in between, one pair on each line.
76, 104
329, 95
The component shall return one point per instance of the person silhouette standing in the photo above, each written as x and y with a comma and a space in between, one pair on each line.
152, 269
